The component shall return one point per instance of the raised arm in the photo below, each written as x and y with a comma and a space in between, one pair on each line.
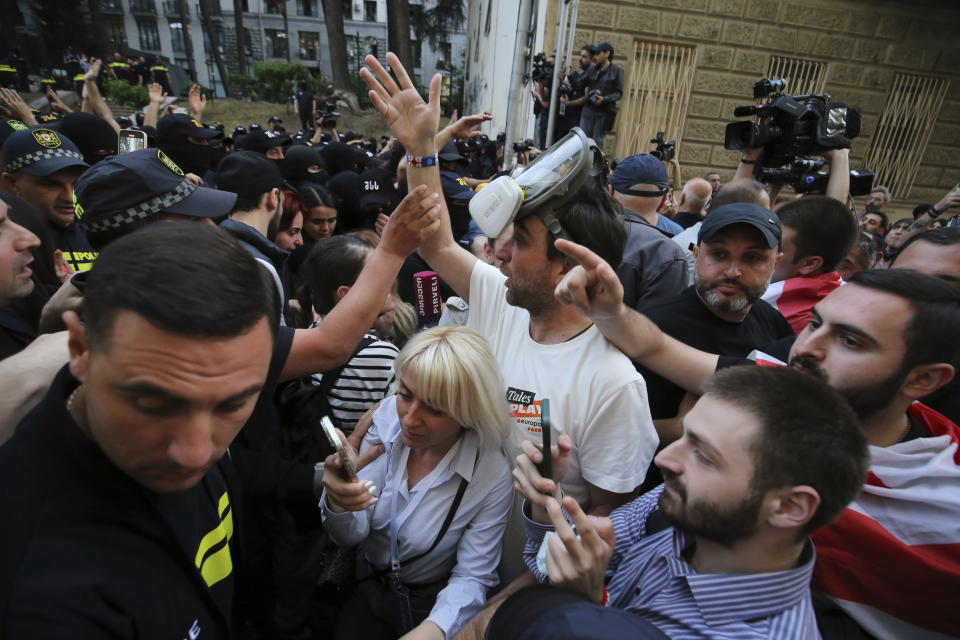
93, 98
152, 114
414, 123
593, 287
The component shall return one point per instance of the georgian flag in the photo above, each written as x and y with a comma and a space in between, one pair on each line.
795, 297
892, 559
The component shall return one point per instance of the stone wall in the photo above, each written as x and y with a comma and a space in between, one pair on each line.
864, 42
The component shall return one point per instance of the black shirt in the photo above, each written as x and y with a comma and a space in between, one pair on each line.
686, 219
688, 319
15, 333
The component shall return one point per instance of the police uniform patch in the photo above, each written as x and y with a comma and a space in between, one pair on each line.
170, 163
16, 125
197, 123
46, 138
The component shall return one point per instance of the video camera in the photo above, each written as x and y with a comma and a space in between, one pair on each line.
328, 115
521, 147
542, 68
665, 150
789, 128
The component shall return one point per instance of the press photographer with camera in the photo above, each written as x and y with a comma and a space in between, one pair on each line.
604, 88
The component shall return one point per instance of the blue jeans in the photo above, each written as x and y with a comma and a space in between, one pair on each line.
592, 123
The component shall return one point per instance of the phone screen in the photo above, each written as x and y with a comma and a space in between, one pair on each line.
131, 140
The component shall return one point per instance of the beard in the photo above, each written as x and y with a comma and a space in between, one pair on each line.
531, 292
721, 302
724, 524
866, 400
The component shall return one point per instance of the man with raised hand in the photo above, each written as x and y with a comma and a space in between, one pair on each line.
545, 349
883, 341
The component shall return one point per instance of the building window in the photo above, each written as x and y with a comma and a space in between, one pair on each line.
275, 6
803, 76
903, 131
307, 8
149, 36
370, 10
417, 53
656, 94
116, 33
219, 35
176, 36
446, 52
276, 43
309, 43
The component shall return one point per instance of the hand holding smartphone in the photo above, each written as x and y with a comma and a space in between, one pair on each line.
131, 140
546, 467
337, 445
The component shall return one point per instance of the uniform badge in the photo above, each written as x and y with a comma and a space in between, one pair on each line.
16, 125
169, 163
46, 138
197, 123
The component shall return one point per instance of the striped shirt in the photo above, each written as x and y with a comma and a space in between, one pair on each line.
648, 576
364, 381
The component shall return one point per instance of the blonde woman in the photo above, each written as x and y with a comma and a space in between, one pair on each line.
429, 513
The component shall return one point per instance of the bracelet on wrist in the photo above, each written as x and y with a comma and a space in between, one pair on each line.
605, 598
932, 211
747, 161
421, 161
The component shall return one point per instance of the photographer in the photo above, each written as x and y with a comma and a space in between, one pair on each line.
604, 82
542, 82
572, 96
306, 106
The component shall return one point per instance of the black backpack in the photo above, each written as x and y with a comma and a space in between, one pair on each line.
301, 404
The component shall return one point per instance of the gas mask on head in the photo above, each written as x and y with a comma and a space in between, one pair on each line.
546, 184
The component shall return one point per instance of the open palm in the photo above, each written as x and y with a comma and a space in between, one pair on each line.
413, 121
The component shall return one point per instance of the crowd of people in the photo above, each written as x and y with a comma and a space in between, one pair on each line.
649, 408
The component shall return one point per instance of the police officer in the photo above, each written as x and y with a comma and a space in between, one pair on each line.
188, 142
41, 166
118, 67
161, 75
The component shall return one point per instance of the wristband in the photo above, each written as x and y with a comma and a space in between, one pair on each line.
932, 211
423, 161
745, 161
606, 596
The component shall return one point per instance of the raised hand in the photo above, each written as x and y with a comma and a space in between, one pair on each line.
157, 94
197, 101
413, 121
462, 128
93, 71
16, 107
592, 287
416, 217
579, 563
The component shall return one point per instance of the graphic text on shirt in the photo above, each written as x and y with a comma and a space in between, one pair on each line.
524, 409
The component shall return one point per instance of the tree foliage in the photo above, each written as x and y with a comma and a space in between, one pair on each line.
434, 24
273, 81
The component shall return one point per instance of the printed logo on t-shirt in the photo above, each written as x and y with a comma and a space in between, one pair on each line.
524, 409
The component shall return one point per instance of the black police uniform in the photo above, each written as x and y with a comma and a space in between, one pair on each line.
161, 77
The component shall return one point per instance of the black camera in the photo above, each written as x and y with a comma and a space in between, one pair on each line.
542, 68
665, 150
595, 96
789, 127
328, 115
805, 176
521, 147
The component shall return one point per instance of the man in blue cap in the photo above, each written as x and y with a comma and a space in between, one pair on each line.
187, 141
135, 189
42, 166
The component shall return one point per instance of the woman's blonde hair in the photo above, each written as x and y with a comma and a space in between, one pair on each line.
457, 374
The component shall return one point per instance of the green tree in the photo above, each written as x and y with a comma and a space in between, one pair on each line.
434, 24
333, 17
398, 31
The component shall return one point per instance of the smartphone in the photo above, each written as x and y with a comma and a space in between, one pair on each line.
131, 140
334, 440
546, 467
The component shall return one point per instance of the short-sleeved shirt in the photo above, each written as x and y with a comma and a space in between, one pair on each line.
596, 396
688, 319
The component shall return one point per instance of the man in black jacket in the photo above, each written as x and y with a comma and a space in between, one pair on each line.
15, 282
122, 523
604, 82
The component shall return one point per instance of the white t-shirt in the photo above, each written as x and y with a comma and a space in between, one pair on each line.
684, 239
596, 395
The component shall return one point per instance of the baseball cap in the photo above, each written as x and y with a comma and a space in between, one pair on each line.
343, 157
93, 135
763, 220
541, 612
592, 48
177, 126
455, 187
247, 173
378, 189
40, 152
261, 141
451, 153
131, 187
274, 119
640, 168
604, 46
8, 126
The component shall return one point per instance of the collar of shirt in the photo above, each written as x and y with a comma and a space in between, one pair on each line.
724, 598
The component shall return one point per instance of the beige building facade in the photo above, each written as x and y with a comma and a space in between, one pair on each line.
689, 63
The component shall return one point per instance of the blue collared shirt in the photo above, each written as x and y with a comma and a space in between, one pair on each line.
648, 576
469, 552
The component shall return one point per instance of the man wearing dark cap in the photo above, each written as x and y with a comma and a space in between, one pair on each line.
738, 249
604, 81
339, 156
93, 135
186, 141
304, 165
41, 166
653, 269
135, 189
275, 124
379, 195
256, 213
266, 143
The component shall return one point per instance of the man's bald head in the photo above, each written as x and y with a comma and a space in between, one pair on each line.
741, 190
696, 195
